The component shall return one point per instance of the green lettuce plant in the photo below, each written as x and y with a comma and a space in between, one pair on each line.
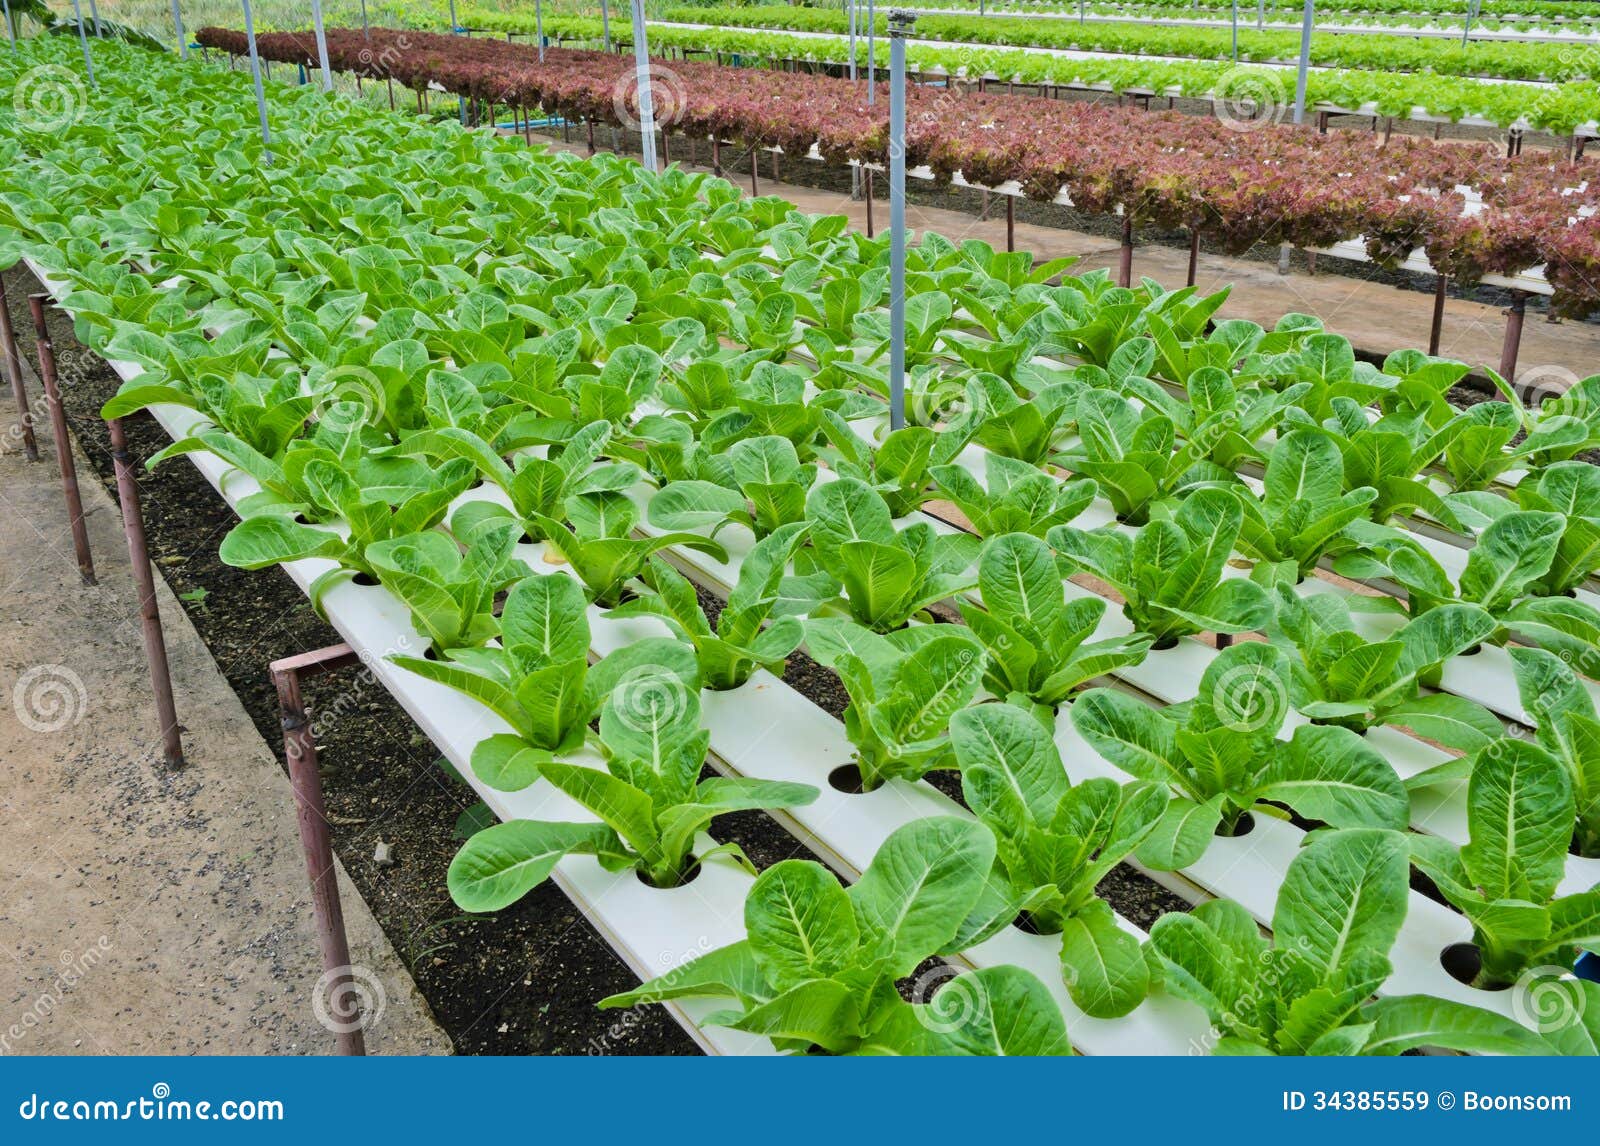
1309, 989
1221, 757
649, 799
1563, 714
1056, 841
1037, 639
819, 967
1014, 497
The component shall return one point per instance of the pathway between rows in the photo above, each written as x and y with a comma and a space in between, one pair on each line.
146, 910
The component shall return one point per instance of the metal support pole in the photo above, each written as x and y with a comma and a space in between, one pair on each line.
11, 32
94, 18
1305, 62
255, 75
1441, 285
1261, 14
1236, 31
1011, 222
322, 45
1508, 350
1125, 254
605, 25
1466, 31
88, 63
177, 25
900, 26
870, 230
1194, 254
311, 814
155, 645
872, 46
366, 28
19, 388
58, 425
647, 112
455, 30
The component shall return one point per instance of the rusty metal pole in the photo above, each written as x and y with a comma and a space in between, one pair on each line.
58, 424
19, 389
1508, 350
1125, 255
155, 645
1011, 222
1441, 285
1194, 254
311, 814
755, 164
869, 203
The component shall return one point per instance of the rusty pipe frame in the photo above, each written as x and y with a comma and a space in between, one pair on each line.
155, 645
1515, 315
1011, 222
58, 425
1441, 287
311, 816
1194, 254
19, 389
870, 229
1125, 255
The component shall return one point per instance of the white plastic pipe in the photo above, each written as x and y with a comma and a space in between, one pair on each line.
647, 111
255, 77
322, 45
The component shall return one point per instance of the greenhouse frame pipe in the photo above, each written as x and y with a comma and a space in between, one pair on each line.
1440, 286
1011, 223
538, 26
455, 30
88, 62
872, 42
94, 18
322, 45
255, 76
58, 425
155, 644
177, 26
900, 26
1236, 31
605, 25
1305, 62
1466, 31
1125, 254
366, 28
647, 111
870, 229
311, 816
1513, 340
19, 388
1194, 254
11, 33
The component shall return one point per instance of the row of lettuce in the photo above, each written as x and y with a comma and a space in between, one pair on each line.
1471, 210
635, 365
1561, 108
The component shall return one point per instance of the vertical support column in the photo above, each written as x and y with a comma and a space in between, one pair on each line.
870, 229
1466, 31
19, 388
605, 25
11, 32
366, 28
647, 112
1305, 62
322, 45
155, 645
1236, 31
1508, 350
1441, 285
177, 26
1125, 254
83, 38
255, 76
455, 30
900, 26
58, 424
311, 814
94, 18
872, 44
1194, 254
1261, 14
1011, 222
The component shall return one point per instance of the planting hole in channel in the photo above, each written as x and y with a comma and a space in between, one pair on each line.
846, 778
1463, 962
688, 877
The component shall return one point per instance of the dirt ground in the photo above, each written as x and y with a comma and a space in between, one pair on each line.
147, 910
